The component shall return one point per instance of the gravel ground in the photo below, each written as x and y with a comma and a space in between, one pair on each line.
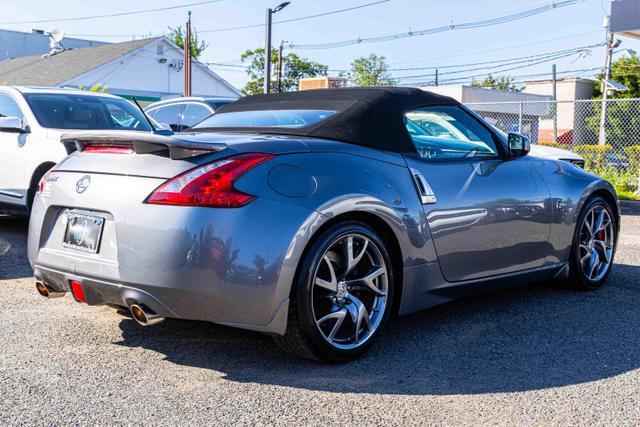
537, 355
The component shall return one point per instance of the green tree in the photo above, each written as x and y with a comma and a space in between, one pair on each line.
625, 70
501, 83
371, 70
177, 36
623, 118
295, 68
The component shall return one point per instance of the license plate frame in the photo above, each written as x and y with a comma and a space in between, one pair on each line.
87, 235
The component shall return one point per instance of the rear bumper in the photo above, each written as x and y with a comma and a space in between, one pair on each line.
227, 266
161, 301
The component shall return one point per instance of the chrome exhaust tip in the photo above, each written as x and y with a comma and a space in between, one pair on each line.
47, 292
144, 316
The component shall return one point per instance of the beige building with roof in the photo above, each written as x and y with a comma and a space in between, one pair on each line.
570, 114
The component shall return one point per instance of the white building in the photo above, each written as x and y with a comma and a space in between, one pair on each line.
149, 69
14, 44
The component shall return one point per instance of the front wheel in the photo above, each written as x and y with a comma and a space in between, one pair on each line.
342, 297
594, 245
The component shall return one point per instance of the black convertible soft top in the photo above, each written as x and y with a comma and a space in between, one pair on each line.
372, 117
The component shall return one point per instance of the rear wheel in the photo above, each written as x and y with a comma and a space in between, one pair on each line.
594, 246
342, 296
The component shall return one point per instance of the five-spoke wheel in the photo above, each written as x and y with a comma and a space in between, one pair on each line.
350, 291
593, 245
596, 243
342, 297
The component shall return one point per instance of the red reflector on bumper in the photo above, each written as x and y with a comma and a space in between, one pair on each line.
78, 291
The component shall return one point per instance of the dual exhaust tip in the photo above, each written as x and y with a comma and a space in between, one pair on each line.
48, 292
144, 316
140, 313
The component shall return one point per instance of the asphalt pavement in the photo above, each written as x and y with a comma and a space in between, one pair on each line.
537, 355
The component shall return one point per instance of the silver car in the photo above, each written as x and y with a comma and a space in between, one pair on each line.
313, 216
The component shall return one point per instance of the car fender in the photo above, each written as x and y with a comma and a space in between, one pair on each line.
569, 187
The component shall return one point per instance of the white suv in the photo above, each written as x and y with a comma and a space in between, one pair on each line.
31, 122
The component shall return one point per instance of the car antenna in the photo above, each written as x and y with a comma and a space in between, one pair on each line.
153, 128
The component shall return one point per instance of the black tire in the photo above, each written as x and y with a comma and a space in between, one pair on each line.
577, 279
303, 338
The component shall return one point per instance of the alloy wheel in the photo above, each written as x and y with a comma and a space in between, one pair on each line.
596, 243
349, 295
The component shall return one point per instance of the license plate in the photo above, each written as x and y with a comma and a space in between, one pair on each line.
83, 232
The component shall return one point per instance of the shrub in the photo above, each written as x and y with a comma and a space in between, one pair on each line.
595, 156
553, 144
633, 156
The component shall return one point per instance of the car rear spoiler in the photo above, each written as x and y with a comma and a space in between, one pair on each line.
178, 146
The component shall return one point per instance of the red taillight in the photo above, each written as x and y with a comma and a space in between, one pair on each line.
41, 183
47, 181
108, 149
209, 185
78, 291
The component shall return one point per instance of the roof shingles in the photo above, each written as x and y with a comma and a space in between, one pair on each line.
57, 69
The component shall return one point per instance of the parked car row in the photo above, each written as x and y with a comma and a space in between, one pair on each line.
311, 216
31, 123
33, 119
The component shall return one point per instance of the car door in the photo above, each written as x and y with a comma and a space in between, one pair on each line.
488, 214
12, 155
194, 113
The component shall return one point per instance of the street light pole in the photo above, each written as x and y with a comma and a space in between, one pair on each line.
602, 137
187, 58
267, 53
267, 45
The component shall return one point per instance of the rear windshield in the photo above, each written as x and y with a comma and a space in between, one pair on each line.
265, 118
68, 111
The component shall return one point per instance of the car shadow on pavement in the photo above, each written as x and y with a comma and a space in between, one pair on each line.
13, 249
529, 338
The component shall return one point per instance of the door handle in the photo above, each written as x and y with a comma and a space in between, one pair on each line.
425, 192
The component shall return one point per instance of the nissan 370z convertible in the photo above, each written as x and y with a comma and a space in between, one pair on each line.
314, 216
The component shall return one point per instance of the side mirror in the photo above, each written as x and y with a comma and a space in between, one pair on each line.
518, 145
11, 124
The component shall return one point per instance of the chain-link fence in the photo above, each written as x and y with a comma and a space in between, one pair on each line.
607, 134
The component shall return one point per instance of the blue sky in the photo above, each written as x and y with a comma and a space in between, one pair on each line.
562, 28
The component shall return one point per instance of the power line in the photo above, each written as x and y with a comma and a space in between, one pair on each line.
283, 21
497, 63
464, 26
245, 27
521, 76
501, 48
527, 63
111, 15
441, 67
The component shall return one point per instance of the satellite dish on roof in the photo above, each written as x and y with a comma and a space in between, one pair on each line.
55, 39
57, 34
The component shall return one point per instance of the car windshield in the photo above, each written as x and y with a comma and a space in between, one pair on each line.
71, 111
265, 118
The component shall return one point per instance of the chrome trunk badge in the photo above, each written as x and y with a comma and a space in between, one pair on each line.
83, 184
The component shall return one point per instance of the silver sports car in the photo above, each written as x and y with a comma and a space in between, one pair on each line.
314, 216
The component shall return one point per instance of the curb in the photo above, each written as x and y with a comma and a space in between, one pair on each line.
630, 207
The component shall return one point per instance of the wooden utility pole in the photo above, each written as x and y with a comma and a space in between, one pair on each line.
187, 58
